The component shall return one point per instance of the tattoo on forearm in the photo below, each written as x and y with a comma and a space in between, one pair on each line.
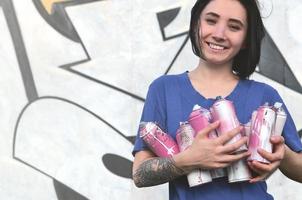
156, 171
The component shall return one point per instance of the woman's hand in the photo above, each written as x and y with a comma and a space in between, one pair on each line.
206, 153
263, 170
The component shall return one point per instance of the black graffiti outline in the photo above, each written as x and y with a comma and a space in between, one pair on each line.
19, 47
73, 35
69, 68
129, 139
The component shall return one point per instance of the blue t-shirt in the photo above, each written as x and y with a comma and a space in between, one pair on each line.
170, 100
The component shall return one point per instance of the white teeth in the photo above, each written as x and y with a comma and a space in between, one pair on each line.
216, 47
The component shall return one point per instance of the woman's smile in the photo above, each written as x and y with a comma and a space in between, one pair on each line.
216, 47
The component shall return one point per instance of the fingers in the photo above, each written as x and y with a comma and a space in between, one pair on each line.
258, 178
255, 169
277, 140
205, 132
276, 156
263, 170
260, 167
233, 157
278, 145
230, 148
261, 175
279, 150
224, 138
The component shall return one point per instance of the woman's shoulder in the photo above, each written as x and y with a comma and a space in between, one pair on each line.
258, 85
264, 90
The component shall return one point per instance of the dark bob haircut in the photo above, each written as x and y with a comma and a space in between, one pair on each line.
246, 60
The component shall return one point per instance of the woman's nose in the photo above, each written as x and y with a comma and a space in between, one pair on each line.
219, 33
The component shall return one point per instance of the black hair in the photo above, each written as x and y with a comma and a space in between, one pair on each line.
245, 62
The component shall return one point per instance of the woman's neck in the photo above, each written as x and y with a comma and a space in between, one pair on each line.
213, 81
214, 73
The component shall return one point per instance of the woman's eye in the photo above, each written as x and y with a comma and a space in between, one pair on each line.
210, 21
234, 27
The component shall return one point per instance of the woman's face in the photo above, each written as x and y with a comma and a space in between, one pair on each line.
222, 32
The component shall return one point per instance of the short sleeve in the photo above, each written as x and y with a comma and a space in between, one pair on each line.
153, 111
290, 134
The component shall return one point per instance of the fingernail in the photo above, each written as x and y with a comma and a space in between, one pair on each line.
274, 137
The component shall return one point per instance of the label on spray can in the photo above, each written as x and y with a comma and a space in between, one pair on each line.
184, 136
261, 132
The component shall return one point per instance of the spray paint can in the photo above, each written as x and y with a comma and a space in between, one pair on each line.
261, 132
199, 119
224, 111
239, 171
184, 137
280, 121
158, 141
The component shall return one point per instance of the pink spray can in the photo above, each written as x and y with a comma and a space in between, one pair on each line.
261, 131
184, 137
223, 110
158, 141
199, 119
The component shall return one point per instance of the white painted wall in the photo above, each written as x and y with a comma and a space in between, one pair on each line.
59, 136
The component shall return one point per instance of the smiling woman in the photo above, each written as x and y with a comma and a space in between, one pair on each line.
226, 35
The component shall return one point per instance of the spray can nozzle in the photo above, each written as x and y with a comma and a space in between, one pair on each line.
219, 98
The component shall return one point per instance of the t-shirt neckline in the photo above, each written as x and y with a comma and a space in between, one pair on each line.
189, 87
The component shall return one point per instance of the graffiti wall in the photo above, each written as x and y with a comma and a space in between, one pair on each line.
74, 75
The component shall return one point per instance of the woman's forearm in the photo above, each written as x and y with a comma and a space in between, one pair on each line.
156, 171
291, 165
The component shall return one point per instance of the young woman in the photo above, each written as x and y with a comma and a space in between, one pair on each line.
226, 35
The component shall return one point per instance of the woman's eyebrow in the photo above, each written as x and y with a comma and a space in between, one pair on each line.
237, 21
231, 19
212, 14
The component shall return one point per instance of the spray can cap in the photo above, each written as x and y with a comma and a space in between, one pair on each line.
219, 97
277, 105
183, 123
196, 107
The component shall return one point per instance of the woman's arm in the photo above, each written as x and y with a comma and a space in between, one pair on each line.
288, 161
291, 165
149, 170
